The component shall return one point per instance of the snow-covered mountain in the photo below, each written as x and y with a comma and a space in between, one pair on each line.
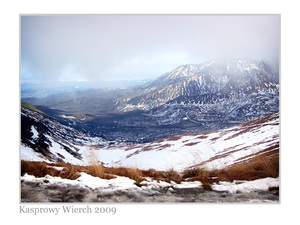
44, 139
210, 80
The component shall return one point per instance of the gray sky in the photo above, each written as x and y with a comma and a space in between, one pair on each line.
107, 47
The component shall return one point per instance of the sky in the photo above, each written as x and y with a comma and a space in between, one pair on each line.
138, 47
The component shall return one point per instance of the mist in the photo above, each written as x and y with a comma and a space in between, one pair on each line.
115, 48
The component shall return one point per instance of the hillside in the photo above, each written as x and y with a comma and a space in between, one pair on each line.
45, 139
32, 107
209, 150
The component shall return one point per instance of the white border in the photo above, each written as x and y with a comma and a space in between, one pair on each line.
155, 213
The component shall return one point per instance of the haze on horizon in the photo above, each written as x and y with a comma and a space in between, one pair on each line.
137, 47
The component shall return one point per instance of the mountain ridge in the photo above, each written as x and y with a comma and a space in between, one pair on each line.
223, 76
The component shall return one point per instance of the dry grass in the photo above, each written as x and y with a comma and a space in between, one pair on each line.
96, 169
69, 171
192, 143
173, 138
132, 173
173, 175
158, 175
206, 177
41, 169
260, 166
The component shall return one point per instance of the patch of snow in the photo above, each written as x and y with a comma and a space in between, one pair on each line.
191, 184
247, 186
86, 180
56, 167
35, 133
67, 117
29, 154
115, 183
155, 183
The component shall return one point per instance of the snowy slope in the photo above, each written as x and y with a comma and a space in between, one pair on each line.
211, 150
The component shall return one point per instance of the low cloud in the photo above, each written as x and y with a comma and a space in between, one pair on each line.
138, 47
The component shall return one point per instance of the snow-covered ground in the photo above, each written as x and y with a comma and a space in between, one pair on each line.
247, 186
125, 189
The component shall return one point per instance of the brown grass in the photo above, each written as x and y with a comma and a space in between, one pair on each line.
69, 171
41, 169
206, 177
202, 137
132, 173
158, 175
96, 169
173, 175
173, 138
260, 166
192, 143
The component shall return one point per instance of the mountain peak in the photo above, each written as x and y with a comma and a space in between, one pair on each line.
219, 70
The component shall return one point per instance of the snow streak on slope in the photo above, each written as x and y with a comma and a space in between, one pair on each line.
210, 150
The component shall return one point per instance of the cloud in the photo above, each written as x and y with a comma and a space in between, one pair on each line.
144, 66
130, 47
